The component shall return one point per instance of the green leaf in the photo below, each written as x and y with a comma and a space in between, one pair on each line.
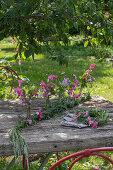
1, 15
88, 27
86, 43
76, 25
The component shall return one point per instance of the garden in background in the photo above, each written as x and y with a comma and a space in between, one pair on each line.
79, 58
32, 72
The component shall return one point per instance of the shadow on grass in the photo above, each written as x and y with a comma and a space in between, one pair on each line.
80, 59
10, 49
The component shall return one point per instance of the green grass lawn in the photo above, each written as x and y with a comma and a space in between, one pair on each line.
33, 72
79, 60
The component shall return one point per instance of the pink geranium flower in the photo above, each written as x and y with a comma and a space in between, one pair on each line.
29, 121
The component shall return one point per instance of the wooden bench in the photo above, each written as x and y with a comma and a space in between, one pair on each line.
49, 135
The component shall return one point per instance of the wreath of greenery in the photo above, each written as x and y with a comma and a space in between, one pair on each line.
100, 116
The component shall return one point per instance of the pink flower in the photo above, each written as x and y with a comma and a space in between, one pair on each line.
96, 168
73, 88
18, 91
51, 83
74, 76
95, 124
43, 84
55, 77
40, 113
85, 78
76, 83
90, 68
29, 121
87, 71
79, 95
75, 96
69, 92
52, 77
90, 121
12, 40
86, 114
19, 83
93, 65
19, 62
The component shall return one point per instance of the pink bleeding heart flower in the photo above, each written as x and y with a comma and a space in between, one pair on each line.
19, 62
75, 96
85, 78
93, 65
90, 121
12, 40
69, 92
90, 68
73, 88
86, 114
76, 83
95, 124
51, 83
18, 91
29, 121
43, 84
19, 83
40, 113
52, 76
87, 71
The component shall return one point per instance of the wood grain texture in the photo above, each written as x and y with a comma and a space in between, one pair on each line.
49, 135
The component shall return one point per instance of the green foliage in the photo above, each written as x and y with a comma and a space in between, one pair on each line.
18, 143
101, 116
34, 23
102, 54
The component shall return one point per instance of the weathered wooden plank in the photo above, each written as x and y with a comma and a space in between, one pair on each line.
50, 136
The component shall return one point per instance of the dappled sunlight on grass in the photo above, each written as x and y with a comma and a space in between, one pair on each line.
40, 56
79, 60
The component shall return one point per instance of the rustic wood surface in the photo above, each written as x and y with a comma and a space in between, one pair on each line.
49, 135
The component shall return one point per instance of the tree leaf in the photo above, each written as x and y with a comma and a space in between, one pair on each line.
86, 43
